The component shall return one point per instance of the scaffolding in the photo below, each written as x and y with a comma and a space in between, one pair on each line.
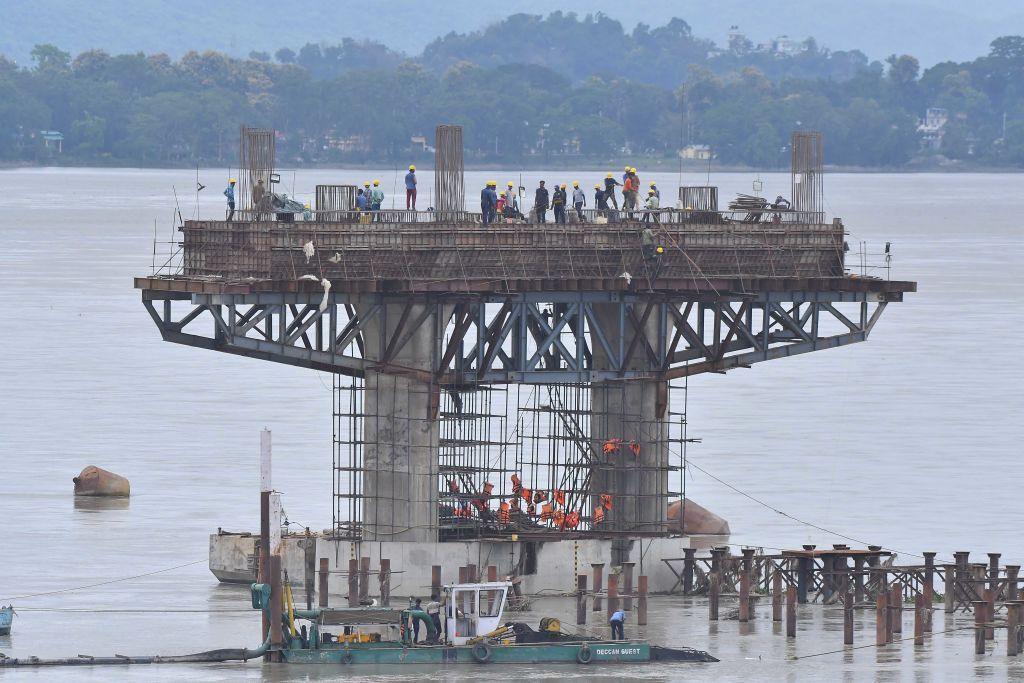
522, 459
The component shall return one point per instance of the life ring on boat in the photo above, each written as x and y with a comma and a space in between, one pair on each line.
584, 654
346, 658
481, 653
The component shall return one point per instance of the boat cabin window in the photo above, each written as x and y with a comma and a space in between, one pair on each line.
464, 603
490, 602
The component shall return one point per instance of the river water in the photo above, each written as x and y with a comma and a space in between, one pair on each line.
911, 440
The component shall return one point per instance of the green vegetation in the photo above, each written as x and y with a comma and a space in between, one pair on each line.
526, 89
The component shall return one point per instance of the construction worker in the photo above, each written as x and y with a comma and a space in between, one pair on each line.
647, 243
540, 202
500, 206
512, 199
410, 188
579, 200
307, 212
652, 205
229, 192
416, 622
657, 192
376, 197
609, 190
600, 200
361, 200
558, 202
629, 189
616, 620
488, 202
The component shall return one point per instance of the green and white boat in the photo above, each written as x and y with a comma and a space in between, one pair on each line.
471, 631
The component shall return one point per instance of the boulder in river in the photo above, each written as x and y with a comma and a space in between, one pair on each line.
696, 520
95, 481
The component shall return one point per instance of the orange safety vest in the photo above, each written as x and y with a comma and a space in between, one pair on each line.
504, 516
559, 519
560, 496
606, 501
572, 520
598, 515
610, 446
516, 485
546, 511
526, 494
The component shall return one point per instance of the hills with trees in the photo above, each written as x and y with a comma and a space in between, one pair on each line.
528, 89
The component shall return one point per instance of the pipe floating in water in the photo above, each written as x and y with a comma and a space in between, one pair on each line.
222, 655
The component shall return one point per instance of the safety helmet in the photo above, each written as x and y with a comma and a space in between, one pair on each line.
502, 194
563, 186
510, 184
650, 191
653, 184
376, 183
608, 176
626, 169
232, 181
597, 187
575, 183
491, 183
633, 170
660, 249
366, 184
412, 167
307, 205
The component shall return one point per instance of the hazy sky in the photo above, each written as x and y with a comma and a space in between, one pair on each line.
932, 30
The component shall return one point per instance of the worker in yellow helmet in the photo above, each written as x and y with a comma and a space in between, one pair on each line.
657, 192
410, 188
229, 192
558, 202
579, 200
511, 200
609, 190
376, 196
488, 202
601, 197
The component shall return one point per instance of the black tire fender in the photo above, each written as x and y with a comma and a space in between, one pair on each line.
481, 653
584, 654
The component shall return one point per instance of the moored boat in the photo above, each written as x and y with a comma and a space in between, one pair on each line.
465, 627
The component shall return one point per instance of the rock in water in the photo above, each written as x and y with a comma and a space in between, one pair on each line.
696, 520
94, 481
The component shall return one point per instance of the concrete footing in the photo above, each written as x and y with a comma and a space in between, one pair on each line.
543, 566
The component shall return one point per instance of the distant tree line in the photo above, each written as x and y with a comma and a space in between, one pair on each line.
526, 88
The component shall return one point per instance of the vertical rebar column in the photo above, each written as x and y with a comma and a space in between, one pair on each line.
806, 171
256, 156
449, 182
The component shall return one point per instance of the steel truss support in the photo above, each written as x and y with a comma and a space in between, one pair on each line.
530, 338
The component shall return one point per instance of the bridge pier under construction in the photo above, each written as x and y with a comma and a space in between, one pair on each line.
517, 387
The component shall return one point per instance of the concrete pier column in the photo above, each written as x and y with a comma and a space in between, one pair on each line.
633, 413
400, 478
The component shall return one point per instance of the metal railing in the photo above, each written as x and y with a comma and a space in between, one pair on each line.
590, 215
